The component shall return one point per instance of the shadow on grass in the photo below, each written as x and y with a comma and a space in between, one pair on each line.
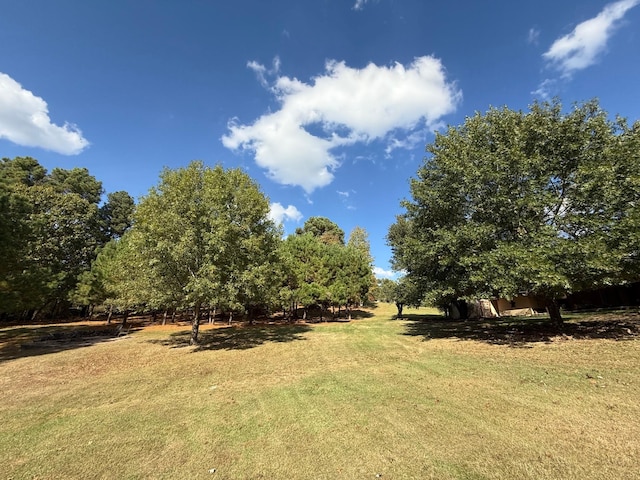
523, 331
356, 314
18, 342
238, 337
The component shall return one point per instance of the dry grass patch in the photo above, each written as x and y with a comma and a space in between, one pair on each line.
397, 398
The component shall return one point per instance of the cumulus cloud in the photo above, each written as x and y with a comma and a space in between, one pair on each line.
382, 273
339, 108
279, 214
582, 47
24, 120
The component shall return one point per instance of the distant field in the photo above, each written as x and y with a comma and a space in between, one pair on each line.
374, 398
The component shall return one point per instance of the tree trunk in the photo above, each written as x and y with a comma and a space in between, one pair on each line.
230, 317
554, 312
124, 319
399, 306
164, 317
173, 316
109, 315
195, 326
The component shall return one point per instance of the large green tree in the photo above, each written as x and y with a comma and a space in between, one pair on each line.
543, 202
203, 235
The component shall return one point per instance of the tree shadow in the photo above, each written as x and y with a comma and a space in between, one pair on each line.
356, 314
238, 337
23, 341
521, 332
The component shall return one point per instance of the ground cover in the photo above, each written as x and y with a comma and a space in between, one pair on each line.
372, 398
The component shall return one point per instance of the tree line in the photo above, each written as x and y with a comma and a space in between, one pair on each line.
51, 224
199, 240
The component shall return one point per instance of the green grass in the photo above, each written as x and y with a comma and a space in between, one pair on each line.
416, 398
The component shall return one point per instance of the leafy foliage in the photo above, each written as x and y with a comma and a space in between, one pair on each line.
324, 229
541, 202
204, 238
51, 230
403, 292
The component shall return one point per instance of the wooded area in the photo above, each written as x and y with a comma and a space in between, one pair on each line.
201, 239
541, 203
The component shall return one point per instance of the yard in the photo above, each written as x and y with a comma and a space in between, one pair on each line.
371, 398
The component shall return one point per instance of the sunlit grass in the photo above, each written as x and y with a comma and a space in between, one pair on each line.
397, 398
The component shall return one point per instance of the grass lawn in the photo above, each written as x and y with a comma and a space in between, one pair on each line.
374, 398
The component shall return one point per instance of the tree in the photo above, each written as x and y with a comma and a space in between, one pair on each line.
51, 228
324, 229
401, 292
359, 240
64, 235
204, 235
22, 170
15, 177
542, 202
78, 181
305, 263
117, 214
406, 292
386, 290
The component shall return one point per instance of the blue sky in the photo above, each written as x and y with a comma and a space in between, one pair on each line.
327, 104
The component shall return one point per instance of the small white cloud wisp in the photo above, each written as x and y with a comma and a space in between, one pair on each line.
382, 273
24, 120
582, 47
341, 107
279, 214
359, 5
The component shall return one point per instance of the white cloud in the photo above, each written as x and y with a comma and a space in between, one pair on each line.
382, 273
546, 88
581, 48
359, 5
532, 37
408, 142
339, 108
262, 72
24, 120
280, 214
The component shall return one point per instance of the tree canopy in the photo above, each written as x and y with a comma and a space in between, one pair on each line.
323, 228
540, 202
203, 237
51, 229
199, 239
